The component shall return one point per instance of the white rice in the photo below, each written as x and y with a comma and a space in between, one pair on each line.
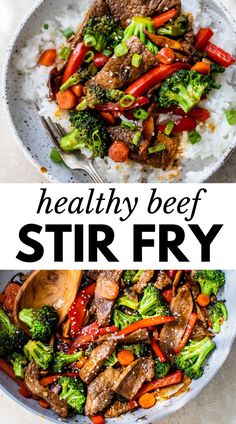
217, 135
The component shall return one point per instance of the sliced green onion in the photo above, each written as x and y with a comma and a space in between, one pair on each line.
88, 57
121, 50
96, 137
90, 41
169, 128
231, 116
65, 52
127, 124
127, 100
92, 69
107, 52
68, 33
46, 26
74, 79
55, 156
82, 105
136, 138
140, 113
136, 60
157, 149
194, 137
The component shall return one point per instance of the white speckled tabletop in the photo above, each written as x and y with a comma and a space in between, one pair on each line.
216, 403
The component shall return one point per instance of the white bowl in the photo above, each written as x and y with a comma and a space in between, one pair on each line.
24, 120
223, 342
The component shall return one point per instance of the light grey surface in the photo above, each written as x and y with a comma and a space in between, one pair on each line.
13, 165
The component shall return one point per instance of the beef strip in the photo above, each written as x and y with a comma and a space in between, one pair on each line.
118, 408
199, 332
95, 362
181, 308
138, 336
122, 134
164, 159
162, 280
144, 279
133, 377
187, 41
119, 71
104, 307
100, 392
32, 382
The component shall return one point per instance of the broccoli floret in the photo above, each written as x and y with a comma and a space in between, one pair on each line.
122, 320
175, 28
61, 360
41, 322
102, 32
19, 363
41, 354
185, 89
73, 393
218, 314
210, 281
112, 360
136, 28
138, 349
131, 276
83, 75
12, 338
153, 303
191, 359
161, 368
90, 133
126, 300
97, 95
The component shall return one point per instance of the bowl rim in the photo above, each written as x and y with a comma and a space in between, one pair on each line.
36, 164
170, 408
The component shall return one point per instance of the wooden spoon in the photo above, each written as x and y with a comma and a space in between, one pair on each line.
56, 288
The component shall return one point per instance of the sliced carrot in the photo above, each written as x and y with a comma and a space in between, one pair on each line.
44, 404
161, 19
81, 363
119, 151
97, 419
48, 57
108, 117
66, 100
125, 357
166, 55
202, 68
147, 400
78, 90
203, 300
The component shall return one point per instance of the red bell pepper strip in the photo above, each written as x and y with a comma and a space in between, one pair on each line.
171, 379
86, 339
219, 55
199, 113
144, 323
151, 78
110, 107
160, 20
157, 350
202, 38
100, 60
97, 419
192, 321
171, 273
75, 61
168, 294
50, 379
78, 309
185, 124
5, 367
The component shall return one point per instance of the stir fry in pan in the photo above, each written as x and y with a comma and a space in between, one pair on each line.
129, 339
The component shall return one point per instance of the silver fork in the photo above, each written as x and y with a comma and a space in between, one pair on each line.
75, 161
